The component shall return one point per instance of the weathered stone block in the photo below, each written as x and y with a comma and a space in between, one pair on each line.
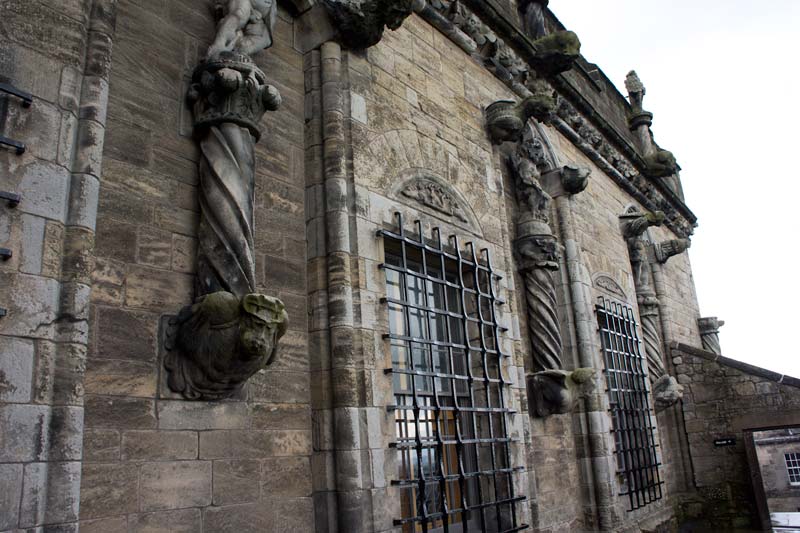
25, 433
154, 247
16, 369
101, 445
50, 493
236, 481
109, 490
124, 334
10, 495
184, 253
202, 415
119, 413
150, 288
105, 525
243, 444
279, 387
249, 518
32, 304
120, 378
175, 485
293, 515
159, 445
116, 240
286, 477
181, 521
280, 416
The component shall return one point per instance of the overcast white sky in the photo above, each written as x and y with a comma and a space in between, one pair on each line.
723, 80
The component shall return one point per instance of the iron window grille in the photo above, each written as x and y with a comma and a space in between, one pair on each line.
451, 398
793, 467
632, 419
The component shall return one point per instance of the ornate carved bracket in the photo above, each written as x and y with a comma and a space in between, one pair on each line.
362, 22
664, 250
507, 120
709, 333
231, 332
558, 391
661, 164
666, 392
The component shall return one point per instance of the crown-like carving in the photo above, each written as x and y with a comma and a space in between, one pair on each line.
231, 89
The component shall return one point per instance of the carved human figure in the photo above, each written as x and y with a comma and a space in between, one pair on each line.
532, 12
247, 27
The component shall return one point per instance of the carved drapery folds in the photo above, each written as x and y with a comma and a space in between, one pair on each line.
231, 331
709, 333
665, 250
666, 390
362, 22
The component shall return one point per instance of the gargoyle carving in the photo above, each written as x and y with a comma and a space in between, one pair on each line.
361, 22
558, 391
556, 53
221, 341
575, 179
661, 164
709, 333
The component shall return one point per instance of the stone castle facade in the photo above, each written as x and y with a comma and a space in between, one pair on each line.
349, 266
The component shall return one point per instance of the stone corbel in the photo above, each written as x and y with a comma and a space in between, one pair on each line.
566, 181
709, 333
558, 391
664, 250
556, 53
361, 23
506, 120
661, 164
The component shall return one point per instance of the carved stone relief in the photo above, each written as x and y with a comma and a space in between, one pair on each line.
558, 391
607, 284
231, 331
433, 195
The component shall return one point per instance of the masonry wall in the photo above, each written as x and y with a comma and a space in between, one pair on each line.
723, 399
151, 459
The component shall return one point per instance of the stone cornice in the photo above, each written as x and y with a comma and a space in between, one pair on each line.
596, 137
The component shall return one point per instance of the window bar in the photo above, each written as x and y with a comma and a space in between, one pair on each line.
421, 491
457, 429
437, 412
471, 382
503, 382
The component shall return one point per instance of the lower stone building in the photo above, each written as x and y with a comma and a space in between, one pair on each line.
349, 266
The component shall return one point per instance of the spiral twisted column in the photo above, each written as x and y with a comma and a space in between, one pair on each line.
543, 324
648, 311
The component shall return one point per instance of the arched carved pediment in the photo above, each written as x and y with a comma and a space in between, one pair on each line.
437, 197
606, 283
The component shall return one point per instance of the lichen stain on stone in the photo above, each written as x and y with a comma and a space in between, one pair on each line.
6, 387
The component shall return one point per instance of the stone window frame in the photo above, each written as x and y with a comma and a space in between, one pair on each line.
515, 514
792, 461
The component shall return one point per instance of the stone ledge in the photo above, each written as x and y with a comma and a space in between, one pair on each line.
783, 379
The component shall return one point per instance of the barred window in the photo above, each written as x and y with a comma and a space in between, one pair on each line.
793, 467
632, 418
451, 395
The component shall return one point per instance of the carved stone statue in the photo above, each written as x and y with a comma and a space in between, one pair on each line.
533, 22
231, 331
551, 389
361, 22
247, 27
558, 391
666, 390
709, 333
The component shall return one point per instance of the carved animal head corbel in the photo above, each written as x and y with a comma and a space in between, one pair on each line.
506, 119
217, 344
574, 179
558, 391
666, 392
